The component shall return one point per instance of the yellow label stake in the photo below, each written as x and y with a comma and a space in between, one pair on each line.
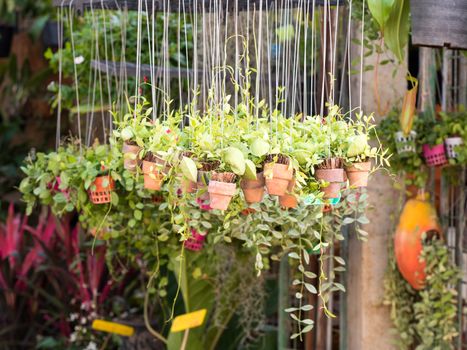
187, 321
112, 327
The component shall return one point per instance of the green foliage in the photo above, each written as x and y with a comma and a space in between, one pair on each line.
425, 319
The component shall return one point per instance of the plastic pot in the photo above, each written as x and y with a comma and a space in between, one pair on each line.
288, 200
405, 143
153, 177
434, 156
220, 194
451, 144
130, 156
335, 177
101, 190
253, 190
277, 178
358, 174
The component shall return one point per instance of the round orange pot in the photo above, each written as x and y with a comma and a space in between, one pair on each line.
101, 190
417, 218
153, 177
277, 178
220, 194
288, 200
335, 177
358, 174
253, 190
130, 156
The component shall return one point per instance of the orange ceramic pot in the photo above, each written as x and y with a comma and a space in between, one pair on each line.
153, 177
253, 190
277, 178
335, 177
101, 190
358, 174
220, 194
288, 200
417, 218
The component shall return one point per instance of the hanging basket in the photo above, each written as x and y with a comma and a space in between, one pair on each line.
196, 242
405, 143
101, 190
451, 144
439, 23
434, 156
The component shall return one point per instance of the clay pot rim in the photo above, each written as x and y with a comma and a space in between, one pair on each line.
330, 175
359, 167
221, 188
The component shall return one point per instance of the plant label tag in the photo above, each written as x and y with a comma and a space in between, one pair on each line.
187, 321
113, 327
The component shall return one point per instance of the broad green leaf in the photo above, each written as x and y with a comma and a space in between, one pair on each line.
396, 33
259, 147
188, 168
234, 157
357, 146
250, 170
381, 10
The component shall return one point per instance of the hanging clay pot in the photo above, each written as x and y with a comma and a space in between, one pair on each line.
434, 156
417, 218
253, 190
204, 176
153, 177
130, 156
277, 178
221, 190
335, 178
358, 174
289, 200
101, 189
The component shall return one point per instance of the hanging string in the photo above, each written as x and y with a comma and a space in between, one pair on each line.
75, 69
60, 16
361, 57
138, 54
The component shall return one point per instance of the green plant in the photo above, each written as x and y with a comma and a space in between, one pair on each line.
425, 319
410, 165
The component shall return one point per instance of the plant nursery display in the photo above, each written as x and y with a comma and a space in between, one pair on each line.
203, 176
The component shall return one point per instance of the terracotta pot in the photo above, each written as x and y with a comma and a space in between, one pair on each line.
417, 218
288, 200
101, 190
220, 194
130, 156
358, 174
187, 185
153, 177
277, 178
253, 190
335, 177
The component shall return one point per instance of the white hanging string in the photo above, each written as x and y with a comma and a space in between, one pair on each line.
75, 69
361, 57
60, 16
138, 53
